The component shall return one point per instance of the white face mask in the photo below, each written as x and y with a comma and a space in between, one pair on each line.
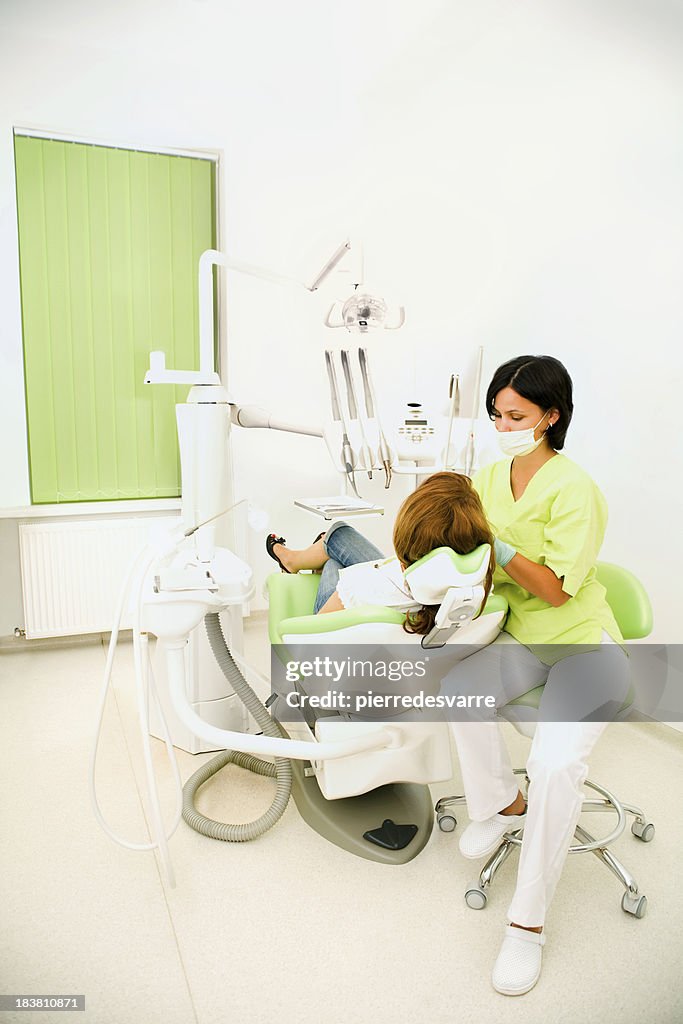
520, 442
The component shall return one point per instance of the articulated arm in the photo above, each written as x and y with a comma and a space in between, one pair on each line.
254, 416
263, 745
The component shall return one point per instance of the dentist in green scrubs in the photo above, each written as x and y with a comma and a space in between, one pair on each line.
549, 519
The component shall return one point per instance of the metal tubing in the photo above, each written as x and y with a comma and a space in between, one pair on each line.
594, 844
607, 858
448, 801
636, 811
495, 861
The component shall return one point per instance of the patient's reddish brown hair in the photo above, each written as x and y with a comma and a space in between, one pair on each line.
444, 511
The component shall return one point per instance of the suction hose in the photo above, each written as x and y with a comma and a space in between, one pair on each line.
281, 769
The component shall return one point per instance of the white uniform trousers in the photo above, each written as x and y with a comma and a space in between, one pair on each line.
557, 764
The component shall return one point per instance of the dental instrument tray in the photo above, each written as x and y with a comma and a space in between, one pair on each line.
338, 505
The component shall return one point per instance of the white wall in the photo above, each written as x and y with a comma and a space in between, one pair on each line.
514, 170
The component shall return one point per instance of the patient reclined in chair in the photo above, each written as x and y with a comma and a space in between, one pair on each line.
319, 692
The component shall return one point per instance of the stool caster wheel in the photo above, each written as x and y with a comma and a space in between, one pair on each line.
446, 822
476, 898
636, 905
645, 831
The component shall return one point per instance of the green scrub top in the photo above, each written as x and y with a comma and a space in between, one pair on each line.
560, 522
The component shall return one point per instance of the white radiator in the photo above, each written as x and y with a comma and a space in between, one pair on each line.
71, 572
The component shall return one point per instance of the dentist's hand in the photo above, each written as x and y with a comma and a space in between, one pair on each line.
503, 552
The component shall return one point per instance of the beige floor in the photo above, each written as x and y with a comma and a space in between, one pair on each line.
289, 928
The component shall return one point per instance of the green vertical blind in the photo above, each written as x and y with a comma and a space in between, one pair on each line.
109, 245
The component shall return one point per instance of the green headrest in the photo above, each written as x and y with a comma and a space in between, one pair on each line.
433, 575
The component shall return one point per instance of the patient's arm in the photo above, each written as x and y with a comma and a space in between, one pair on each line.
333, 604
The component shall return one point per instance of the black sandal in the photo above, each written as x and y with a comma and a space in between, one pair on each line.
316, 572
271, 541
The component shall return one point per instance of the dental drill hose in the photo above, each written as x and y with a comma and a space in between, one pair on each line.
280, 770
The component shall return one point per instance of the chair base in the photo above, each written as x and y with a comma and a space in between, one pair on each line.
345, 822
633, 901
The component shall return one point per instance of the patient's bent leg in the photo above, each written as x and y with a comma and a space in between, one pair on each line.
344, 546
341, 542
329, 578
349, 547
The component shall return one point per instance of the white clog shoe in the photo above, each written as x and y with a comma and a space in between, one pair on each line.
481, 838
518, 966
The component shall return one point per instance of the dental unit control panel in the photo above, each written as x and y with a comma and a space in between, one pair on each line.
417, 437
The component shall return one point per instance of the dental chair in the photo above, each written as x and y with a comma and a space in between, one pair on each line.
377, 804
633, 612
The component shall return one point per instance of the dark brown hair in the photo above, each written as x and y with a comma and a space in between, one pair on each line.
444, 511
542, 380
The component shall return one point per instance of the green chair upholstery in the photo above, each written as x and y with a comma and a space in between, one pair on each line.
628, 600
289, 595
292, 596
630, 606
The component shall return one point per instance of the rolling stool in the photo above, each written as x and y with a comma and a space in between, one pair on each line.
633, 613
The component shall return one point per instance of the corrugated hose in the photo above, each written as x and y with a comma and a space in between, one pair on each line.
280, 769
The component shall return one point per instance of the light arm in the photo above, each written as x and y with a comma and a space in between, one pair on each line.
255, 416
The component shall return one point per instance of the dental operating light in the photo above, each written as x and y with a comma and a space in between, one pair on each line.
361, 311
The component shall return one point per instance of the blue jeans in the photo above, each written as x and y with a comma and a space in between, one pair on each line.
345, 546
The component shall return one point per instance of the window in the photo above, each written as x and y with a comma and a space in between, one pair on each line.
109, 244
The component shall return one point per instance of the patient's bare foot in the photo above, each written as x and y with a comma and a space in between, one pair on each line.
286, 556
313, 557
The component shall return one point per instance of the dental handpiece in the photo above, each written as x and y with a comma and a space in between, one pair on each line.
369, 404
454, 395
469, 459
385, 454
353, 409
348, 458
332, 377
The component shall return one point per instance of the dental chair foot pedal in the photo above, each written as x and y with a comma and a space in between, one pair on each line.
391, 836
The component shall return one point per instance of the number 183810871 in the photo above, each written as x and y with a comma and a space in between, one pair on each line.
42, 1002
